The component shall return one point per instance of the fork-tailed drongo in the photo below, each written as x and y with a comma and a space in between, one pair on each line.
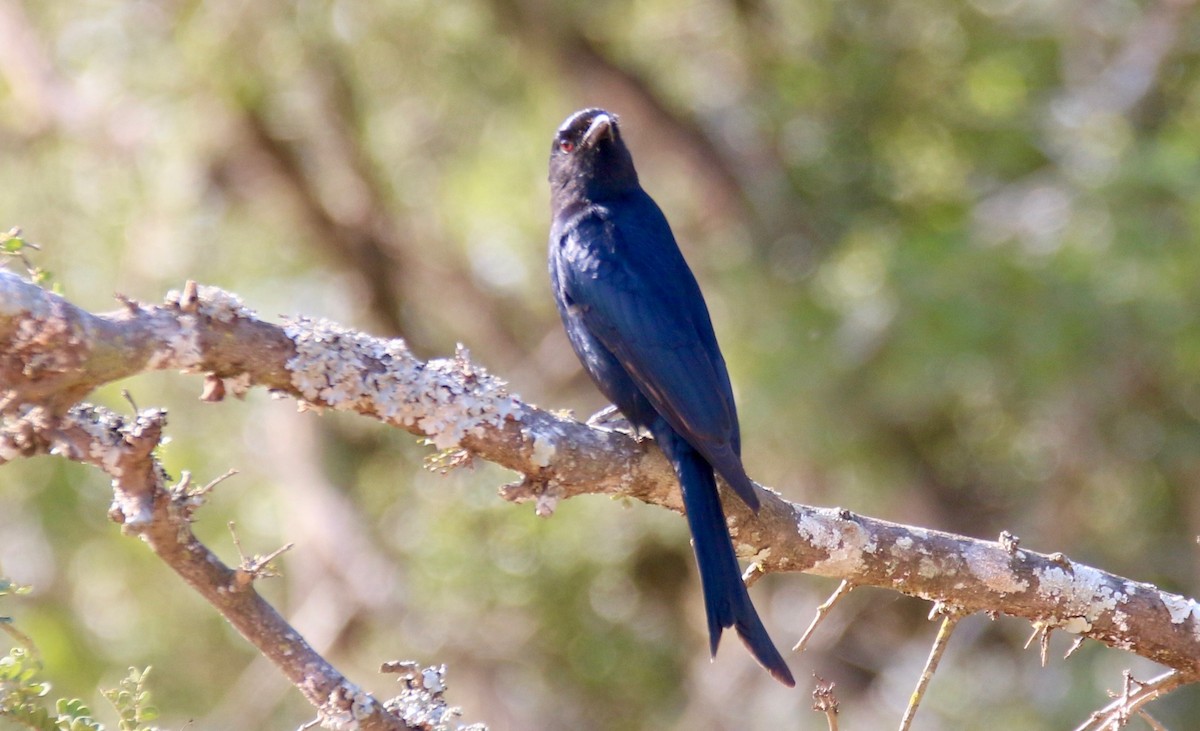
637, 320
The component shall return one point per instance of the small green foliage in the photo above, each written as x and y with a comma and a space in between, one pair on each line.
132, 701
21, 696
14, 245
7, 587
74, 715
41, 277
12, 242
24, 698
6, 623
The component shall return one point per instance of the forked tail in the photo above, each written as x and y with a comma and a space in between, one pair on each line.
725, 597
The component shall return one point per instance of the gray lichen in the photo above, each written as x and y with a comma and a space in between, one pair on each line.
445, 399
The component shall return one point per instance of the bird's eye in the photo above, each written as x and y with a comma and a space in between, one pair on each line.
566, 146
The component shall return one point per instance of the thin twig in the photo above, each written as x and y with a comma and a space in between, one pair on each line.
843, 589
935, 656
1151, 721
213, 483
1133, 696
125, 448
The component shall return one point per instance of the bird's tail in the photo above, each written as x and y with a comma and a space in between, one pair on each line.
725, 597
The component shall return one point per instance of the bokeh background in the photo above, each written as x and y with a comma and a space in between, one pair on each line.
951, 250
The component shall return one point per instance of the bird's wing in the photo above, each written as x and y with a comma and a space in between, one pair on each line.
637, 297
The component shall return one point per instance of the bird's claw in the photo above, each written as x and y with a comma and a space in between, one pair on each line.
611, 419
604, 417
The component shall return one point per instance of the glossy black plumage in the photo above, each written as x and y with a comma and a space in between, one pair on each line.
637, 320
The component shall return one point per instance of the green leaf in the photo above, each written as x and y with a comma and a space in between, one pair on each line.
73, 707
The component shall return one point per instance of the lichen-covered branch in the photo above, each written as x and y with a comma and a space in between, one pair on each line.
457, 404
160, 515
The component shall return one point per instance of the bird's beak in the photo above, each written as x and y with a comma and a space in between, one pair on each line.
604, 125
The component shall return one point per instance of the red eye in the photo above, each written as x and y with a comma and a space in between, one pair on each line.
566, 146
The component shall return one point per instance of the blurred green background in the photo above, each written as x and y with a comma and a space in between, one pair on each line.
951, 250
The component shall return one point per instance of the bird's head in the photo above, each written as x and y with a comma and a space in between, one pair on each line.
589, 160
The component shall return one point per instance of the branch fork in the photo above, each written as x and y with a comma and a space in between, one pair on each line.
464, 410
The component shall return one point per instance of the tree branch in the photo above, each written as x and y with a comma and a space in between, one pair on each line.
161, 517
53, 353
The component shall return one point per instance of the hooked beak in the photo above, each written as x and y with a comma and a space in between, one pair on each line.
604, 125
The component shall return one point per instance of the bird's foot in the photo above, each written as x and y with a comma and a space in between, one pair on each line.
611, 419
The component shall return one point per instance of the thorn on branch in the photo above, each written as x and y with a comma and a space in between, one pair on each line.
187, 499
254, 567
1044, 649
131, 305
1041, 632
125, 394
189, 301
1074, 646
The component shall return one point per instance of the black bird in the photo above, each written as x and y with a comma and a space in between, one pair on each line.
637, 320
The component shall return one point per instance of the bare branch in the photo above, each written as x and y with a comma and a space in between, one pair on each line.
53, 353
123, 448
1134, 695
